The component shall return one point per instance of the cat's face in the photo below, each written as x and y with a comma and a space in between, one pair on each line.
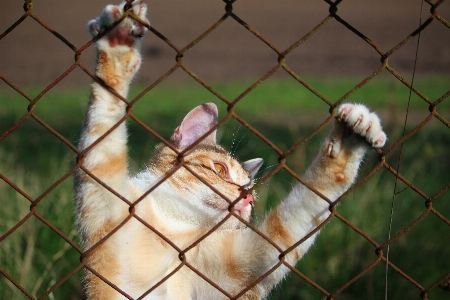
210, 178
201, 188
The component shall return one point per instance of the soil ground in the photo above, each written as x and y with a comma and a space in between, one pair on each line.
30, 55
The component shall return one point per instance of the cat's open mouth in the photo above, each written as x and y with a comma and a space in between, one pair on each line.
243, 208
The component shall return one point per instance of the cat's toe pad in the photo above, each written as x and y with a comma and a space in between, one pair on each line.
363, 122
112, 13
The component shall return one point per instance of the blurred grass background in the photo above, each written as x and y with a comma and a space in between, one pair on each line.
282, 110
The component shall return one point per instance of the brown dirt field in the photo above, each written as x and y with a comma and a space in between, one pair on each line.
30, 55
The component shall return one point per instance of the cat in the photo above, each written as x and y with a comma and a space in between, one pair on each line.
183, 196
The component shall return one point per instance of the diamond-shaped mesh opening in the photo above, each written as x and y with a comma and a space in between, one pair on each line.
251, 55
430, 48
35, 62
345, 43
423, 271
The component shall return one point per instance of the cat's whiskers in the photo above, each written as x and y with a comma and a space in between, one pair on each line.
240, 141
256, 179
233, 150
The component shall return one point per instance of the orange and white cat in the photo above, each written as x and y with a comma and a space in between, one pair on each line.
135, 261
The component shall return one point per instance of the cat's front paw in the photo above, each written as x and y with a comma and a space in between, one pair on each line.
363, 122
127, 32
119, 44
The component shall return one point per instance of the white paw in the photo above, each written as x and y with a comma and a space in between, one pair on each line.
127, 31
363, 122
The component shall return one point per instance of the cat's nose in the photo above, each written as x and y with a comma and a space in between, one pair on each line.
248, 199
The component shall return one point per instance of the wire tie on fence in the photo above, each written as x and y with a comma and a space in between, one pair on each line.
179, 57
332, 207
384, 59
27, 5
379, 251
281, 59
432, 109
33, 207
282, 256
333, 9
332, 111
180, 159
230, 108
229, 6
129, 109
80, 159
31, 106
77, 56
381, 155
128, 5
182, 257
433, 8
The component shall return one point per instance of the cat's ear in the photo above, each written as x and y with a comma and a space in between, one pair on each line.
195, 124
252, 166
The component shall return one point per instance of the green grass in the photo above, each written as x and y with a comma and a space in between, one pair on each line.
283, 111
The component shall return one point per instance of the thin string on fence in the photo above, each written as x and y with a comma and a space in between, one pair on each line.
280, 64
395, 193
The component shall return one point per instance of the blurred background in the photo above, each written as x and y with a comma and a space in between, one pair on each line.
231, 52
330, 63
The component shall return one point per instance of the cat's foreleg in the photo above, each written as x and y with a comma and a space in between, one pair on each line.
331, 174
104, 152
118, 59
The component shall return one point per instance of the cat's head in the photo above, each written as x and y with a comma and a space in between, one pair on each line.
189, 198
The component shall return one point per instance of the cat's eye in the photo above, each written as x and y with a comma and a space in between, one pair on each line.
221, 170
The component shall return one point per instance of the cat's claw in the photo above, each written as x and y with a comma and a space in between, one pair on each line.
363, 122
333, 148
127, 31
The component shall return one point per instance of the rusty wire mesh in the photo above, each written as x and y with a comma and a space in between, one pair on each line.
281, 64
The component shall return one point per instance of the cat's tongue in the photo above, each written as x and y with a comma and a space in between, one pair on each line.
243, 203
248, 199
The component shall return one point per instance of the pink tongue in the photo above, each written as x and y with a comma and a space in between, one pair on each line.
248, 199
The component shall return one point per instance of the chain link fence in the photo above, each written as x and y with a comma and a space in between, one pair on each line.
437, 110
